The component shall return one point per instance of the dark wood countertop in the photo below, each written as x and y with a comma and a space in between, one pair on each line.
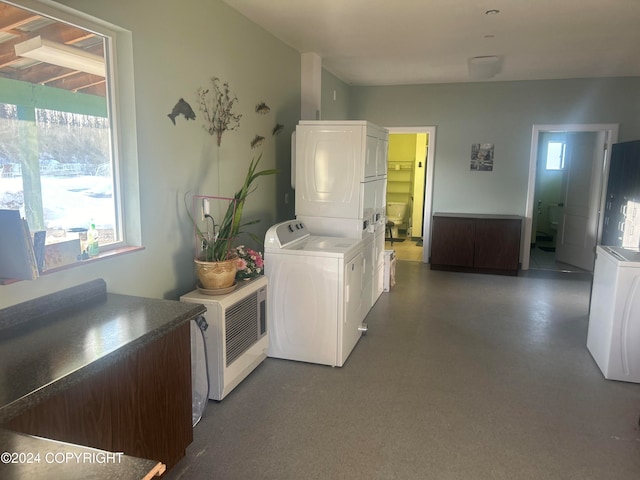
53, 351
25, 456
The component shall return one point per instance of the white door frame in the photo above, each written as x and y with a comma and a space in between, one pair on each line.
610, 129
428, 183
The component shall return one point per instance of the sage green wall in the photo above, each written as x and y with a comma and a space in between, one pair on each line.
502, 113
178, 47
333, 87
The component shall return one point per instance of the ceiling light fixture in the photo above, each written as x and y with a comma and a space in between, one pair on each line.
481, 68
493, 11
62, 55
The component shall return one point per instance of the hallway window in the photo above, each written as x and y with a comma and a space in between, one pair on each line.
555, 156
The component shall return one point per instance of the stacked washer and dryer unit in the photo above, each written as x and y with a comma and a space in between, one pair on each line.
340, 188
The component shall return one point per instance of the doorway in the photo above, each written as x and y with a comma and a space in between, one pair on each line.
419, 246
568, 170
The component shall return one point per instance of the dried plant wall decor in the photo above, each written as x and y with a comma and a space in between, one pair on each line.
216, 105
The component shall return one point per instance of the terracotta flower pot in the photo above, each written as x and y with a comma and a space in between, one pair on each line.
216, 275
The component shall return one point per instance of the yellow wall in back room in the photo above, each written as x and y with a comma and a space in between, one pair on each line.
401, 157
402, 146
402, 160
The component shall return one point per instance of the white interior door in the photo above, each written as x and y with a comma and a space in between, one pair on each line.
578, 228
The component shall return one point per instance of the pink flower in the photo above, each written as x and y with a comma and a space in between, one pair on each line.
241, 264
259, 262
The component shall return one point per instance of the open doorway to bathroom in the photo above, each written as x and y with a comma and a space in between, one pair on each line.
551, 169
568, 171
409, 191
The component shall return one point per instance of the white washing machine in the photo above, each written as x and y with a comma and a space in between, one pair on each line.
613, 338
314, 299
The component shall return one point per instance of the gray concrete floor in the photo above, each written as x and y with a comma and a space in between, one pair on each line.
461, 376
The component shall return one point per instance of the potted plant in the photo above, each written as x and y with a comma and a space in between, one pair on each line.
216, 260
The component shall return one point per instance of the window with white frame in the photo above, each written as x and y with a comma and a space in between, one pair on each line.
61, 158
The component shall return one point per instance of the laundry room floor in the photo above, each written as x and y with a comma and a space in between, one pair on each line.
407, 249
461, 376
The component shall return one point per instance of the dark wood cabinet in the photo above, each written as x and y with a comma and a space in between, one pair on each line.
453, 241
476, 243
140, 405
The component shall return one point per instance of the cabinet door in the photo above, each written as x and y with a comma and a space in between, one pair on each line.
79, 415
452, 241
497, 244
140, 405
151, 416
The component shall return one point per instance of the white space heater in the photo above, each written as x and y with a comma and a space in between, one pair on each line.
237, 335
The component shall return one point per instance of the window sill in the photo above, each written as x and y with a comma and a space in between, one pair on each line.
101, 256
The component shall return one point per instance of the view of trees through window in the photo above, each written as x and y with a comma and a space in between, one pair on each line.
56, 168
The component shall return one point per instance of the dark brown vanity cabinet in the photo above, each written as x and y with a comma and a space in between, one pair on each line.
476, 243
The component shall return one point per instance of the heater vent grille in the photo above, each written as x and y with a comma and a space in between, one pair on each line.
241, 327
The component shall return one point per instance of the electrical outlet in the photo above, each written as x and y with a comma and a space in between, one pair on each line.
205, 208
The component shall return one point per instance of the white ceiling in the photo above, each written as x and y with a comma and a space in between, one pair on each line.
395, 42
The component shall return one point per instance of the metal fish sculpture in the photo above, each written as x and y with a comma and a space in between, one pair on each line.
262, 108
277, 129
257, 141
182, 108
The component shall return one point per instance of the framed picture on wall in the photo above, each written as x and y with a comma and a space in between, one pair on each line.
482, 157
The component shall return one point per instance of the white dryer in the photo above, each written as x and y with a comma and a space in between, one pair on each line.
314, 297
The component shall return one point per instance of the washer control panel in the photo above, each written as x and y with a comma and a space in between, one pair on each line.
285, 233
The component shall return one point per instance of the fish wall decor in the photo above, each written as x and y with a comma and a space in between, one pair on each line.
181, 108
262, 108
257, 141
277, 129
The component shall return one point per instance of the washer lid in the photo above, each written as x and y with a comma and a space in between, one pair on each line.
623, 256
293, 238
326, 244
312, 246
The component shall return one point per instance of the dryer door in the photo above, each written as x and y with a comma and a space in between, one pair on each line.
329, 170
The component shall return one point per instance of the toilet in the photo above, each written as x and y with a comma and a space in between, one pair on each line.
396, 215
554, 217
